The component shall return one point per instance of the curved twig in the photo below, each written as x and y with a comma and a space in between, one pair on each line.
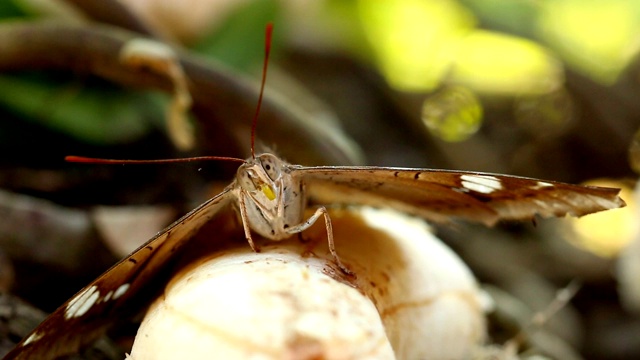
221, 96
113, 13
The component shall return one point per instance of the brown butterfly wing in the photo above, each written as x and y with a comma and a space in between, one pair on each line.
440, 195
121, 291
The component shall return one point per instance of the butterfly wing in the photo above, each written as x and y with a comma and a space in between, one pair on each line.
121, 291
439, 195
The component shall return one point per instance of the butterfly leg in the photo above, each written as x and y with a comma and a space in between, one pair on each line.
322, 211
245, 224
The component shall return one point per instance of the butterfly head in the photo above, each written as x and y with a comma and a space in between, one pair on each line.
261, 176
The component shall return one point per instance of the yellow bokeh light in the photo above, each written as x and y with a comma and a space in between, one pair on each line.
607, 232
502, 64
597, 37
421, 44
452, 114
414, 40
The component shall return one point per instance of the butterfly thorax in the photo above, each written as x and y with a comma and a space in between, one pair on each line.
273, 199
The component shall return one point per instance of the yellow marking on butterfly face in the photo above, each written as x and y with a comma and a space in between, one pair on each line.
268, 192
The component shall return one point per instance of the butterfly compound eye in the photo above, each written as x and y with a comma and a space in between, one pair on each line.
271, 165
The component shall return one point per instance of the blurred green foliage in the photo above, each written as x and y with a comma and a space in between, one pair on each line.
9, 9
100, 114
504, 48
96, 114
238, 41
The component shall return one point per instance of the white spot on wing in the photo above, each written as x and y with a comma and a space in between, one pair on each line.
485, 184
32, 338
108, 296
120, 291
543, 184
82, 303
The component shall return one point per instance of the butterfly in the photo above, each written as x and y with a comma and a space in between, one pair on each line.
270, 196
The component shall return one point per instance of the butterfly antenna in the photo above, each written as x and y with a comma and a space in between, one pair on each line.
254, 124
89, 160
267, 51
